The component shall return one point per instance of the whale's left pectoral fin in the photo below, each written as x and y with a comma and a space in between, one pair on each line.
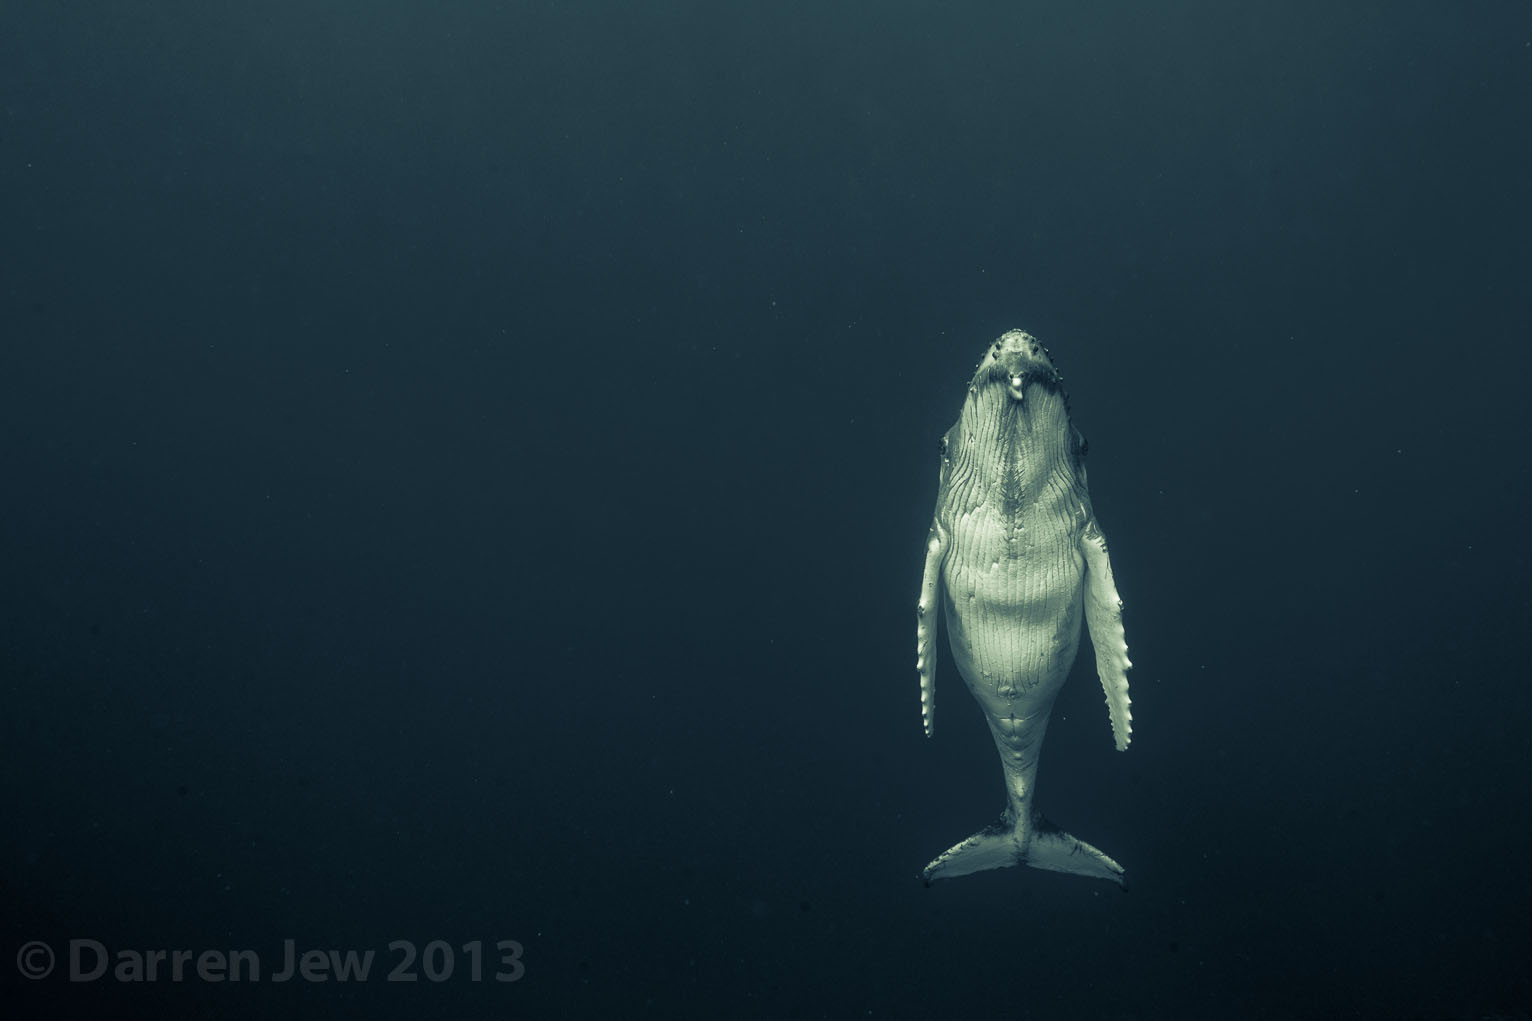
927, 616
1103, 615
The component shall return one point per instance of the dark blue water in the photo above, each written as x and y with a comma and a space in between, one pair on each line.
466, 467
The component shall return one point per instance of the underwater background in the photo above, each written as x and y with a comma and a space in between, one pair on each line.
467, 465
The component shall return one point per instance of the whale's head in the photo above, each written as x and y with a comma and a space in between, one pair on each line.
1016, 361
1014, 436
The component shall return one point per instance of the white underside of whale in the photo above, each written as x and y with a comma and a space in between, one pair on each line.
1015, 560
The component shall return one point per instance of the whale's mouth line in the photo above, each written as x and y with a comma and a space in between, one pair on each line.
1016, 382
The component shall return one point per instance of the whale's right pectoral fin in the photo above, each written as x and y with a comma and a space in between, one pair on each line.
1103, 615
927, 614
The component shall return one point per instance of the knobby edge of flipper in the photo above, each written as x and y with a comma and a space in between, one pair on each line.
928, 623
1103, 618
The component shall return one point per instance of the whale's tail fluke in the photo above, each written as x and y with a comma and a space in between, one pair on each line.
1040, 845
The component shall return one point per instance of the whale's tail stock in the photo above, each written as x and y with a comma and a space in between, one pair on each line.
1040, 845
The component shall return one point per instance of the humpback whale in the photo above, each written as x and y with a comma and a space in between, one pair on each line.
1017, 558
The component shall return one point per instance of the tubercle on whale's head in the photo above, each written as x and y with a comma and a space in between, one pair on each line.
1014, 360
